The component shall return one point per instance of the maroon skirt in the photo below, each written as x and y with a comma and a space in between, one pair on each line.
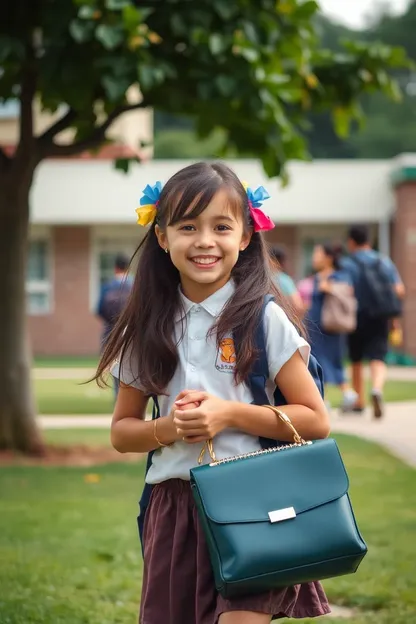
178, 584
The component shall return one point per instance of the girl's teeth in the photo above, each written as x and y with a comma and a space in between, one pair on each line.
204, 260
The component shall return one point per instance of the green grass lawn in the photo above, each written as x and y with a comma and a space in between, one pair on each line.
65, 362
71, 396
70, 554
67, 437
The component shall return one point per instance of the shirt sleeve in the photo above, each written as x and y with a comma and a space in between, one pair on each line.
350, 269
125, 369
282, 339
342, 276
393, 273
286, 284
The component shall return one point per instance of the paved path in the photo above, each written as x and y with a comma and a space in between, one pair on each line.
396, 373
396, 431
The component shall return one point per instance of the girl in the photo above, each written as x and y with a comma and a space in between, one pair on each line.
202, 275
329, 349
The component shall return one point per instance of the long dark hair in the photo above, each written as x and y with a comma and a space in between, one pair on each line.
145, 329
335, 252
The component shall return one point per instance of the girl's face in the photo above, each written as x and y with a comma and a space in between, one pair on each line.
320, 260
205, 249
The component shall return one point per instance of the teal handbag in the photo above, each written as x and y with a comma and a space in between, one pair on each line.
277, 517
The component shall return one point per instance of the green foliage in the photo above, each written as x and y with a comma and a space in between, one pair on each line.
386, 129
253, 66
185, 144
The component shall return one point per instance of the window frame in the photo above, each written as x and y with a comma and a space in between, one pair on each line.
46, 286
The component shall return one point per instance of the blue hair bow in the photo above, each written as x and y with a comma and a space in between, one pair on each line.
146, 214
257, 197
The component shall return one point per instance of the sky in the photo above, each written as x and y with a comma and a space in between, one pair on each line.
353, 12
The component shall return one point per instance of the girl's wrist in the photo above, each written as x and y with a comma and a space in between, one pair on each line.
234, 414
166, 431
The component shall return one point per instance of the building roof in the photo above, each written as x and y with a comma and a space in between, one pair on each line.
324, 191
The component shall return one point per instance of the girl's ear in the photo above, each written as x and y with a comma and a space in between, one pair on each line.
161, 237
245, 240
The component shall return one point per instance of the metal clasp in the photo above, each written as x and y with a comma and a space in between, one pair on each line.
282, 514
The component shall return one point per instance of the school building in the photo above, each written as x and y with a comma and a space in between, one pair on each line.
82, 215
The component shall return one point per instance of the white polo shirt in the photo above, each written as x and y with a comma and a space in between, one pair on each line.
204, 366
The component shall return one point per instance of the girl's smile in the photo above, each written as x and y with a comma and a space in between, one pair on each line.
205, 262
205, 248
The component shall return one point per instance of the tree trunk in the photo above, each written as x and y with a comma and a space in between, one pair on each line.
18, 429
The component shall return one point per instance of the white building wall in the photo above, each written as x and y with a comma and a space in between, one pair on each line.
93, 192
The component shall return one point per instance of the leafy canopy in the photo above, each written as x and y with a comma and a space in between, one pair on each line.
252, 67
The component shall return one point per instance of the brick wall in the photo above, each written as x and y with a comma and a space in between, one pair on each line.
286, 236
70, 329
404, 255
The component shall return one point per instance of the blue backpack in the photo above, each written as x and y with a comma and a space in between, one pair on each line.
257, 383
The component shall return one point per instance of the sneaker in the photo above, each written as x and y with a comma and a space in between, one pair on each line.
349, 401
377, 401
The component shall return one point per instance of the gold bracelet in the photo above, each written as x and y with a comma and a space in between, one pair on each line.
155, 435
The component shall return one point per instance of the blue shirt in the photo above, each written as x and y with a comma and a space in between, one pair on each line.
353, 269
120, 287
285, 284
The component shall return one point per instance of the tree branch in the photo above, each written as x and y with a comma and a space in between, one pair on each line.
61, 124
96, 137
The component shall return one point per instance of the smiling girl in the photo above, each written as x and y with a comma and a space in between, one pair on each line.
202, 277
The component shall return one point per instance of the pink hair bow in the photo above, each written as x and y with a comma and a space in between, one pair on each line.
261, 222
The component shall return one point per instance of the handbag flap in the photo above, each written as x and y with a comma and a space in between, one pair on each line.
246, 490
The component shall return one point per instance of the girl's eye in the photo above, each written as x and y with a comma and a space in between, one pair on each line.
187, 228
223, 228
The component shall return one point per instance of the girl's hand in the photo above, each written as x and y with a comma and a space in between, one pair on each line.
203, 422
324, 286
191, 405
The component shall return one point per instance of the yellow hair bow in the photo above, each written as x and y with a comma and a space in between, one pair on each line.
147, 211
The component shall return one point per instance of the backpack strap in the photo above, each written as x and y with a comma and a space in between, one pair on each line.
259, 375
260, 372
147, 490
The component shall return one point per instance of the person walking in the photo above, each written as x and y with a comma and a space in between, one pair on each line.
113, 298
202, 278
305, 289
284, 282
329, 348
379, 291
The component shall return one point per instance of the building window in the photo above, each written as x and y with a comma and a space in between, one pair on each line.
38, 280
10, 109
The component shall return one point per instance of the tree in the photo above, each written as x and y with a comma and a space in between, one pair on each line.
389, 129
251, 66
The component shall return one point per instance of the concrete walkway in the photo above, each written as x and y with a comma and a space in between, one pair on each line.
396, 431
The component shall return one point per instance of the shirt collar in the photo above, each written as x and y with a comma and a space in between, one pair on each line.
213, 304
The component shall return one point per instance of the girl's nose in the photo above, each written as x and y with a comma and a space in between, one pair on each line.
205, 240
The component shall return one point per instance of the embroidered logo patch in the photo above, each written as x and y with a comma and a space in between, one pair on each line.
226, 357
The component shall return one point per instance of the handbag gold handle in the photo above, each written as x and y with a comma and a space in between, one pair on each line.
285, 418
209, 445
